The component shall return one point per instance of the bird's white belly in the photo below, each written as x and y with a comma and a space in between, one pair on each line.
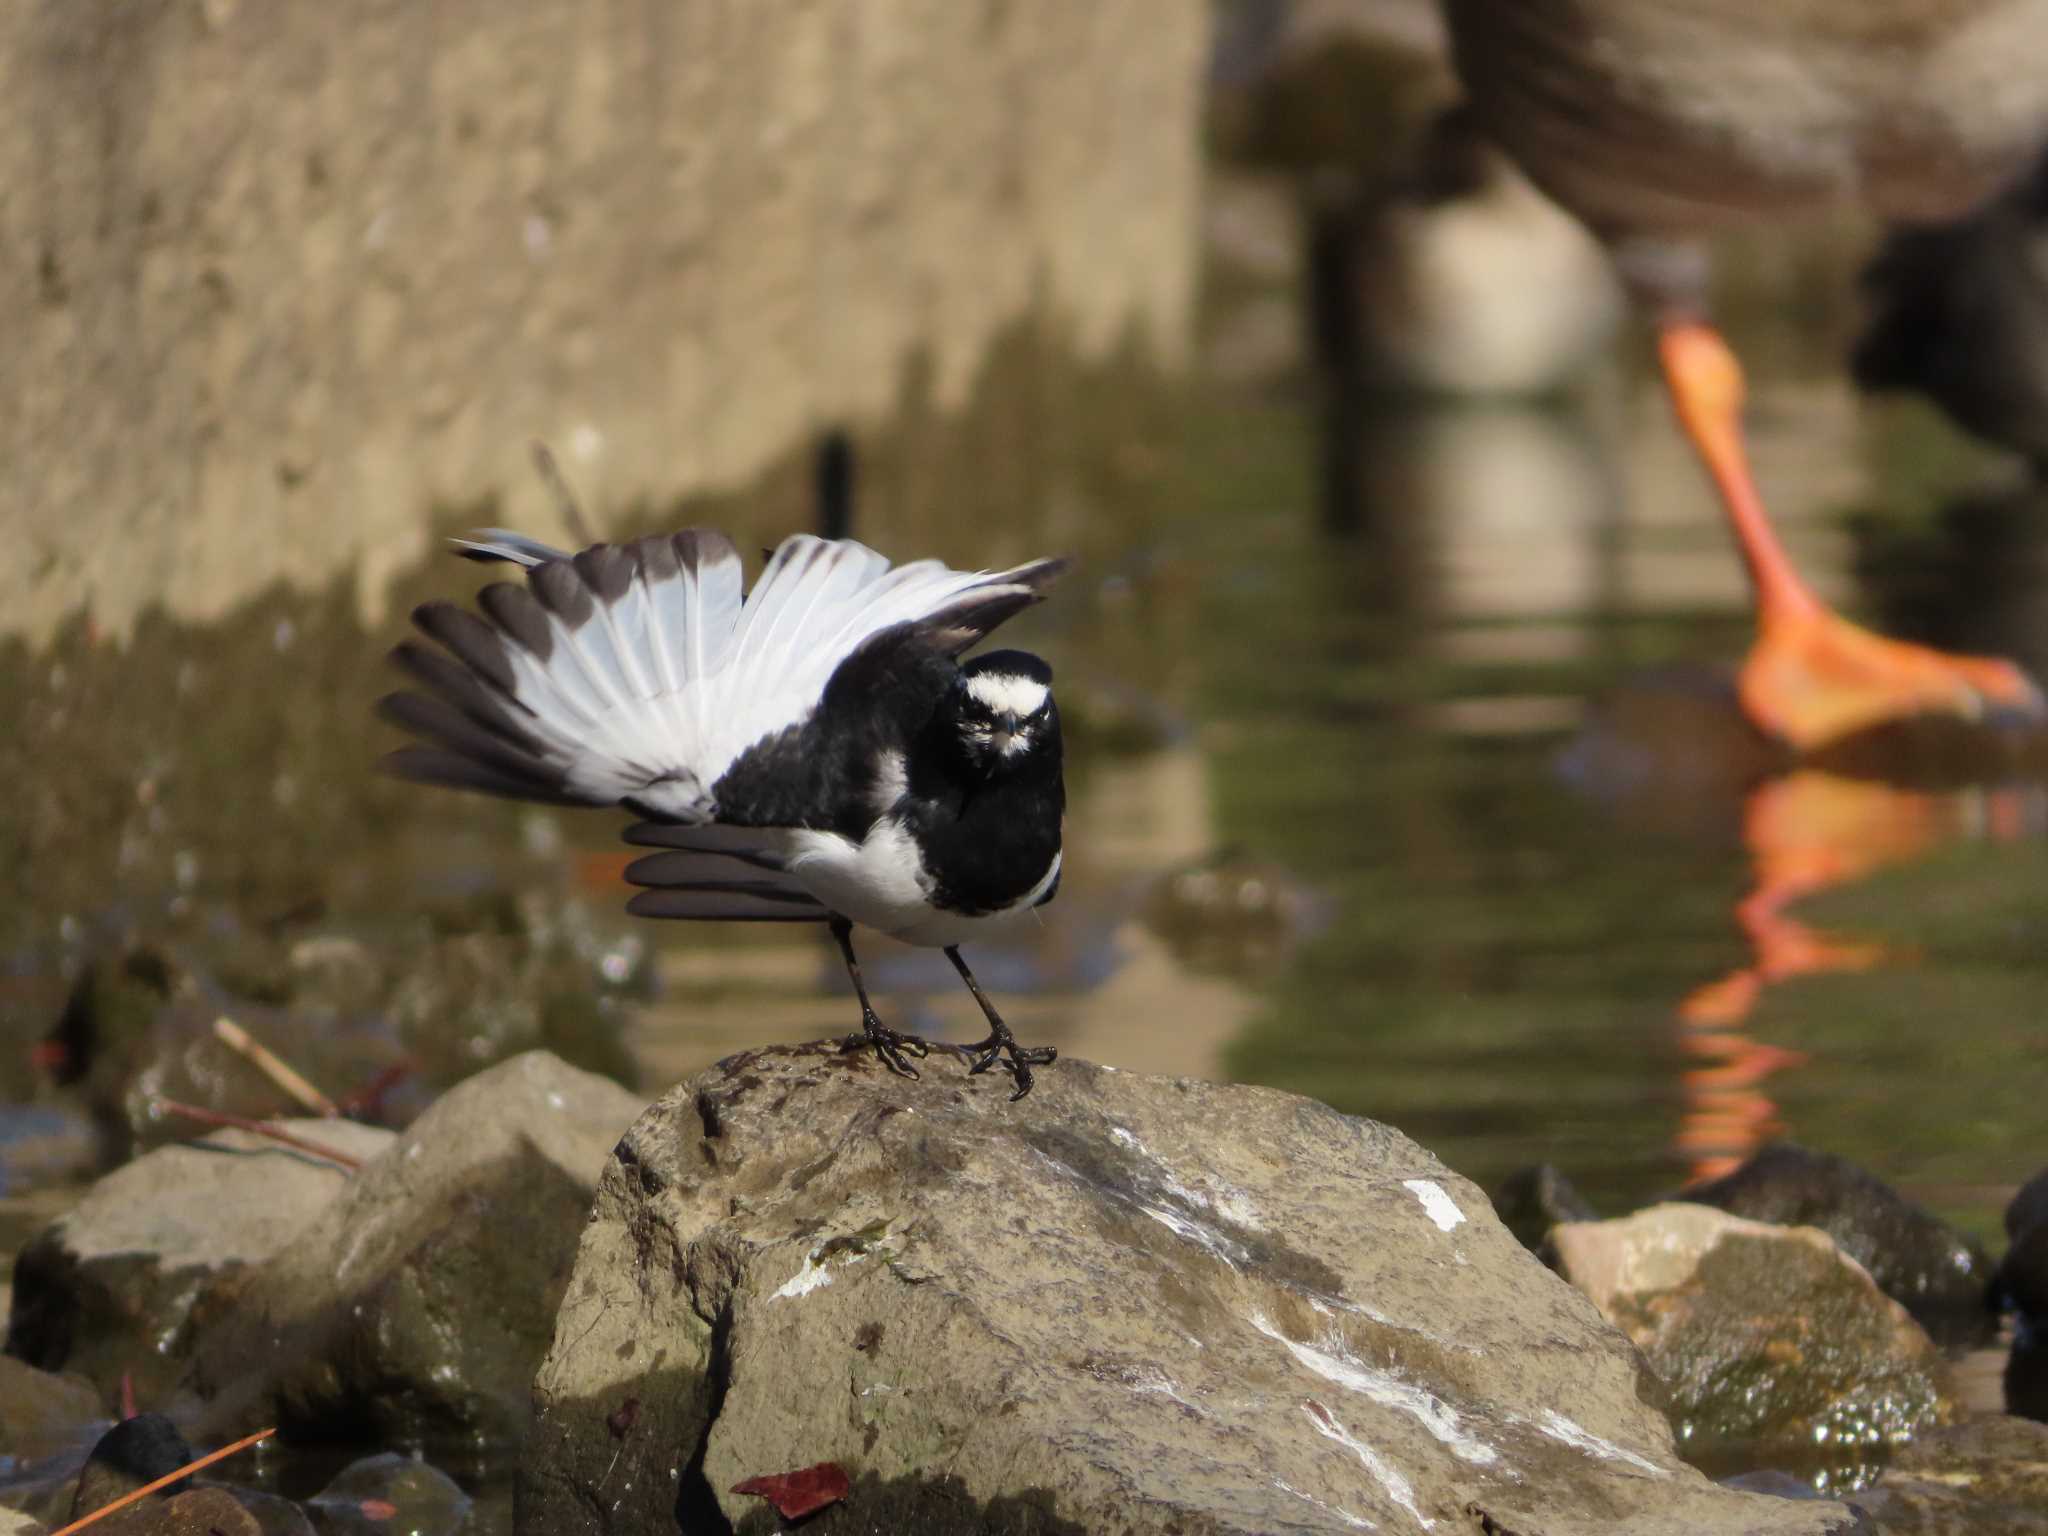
881, 883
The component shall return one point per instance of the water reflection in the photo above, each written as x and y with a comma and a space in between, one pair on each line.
1591, 920
1806, 833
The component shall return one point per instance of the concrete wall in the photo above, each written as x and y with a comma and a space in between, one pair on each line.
280, 278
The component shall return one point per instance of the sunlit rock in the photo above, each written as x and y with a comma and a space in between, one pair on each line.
1916, 1258
1126, 1303
1767, 1338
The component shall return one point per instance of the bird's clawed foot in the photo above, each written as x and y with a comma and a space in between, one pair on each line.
892, 1045
1017, 1059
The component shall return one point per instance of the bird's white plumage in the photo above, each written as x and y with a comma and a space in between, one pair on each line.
1009, 692
655, 695
881, 882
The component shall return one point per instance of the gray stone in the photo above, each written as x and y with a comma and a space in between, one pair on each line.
1988, 1477
109, 1287
14, 1522
41, 1412
1916, 1258
416, 1304
1767, 1337
1127, 1303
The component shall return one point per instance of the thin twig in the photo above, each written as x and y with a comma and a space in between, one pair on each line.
267, 1061
165, 1481
258, 1128
565, 499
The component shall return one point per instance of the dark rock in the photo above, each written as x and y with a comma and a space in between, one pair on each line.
1769, 1338
131, 1455
2026, 1371
1127, 1303
194, 1512
276, 1515
2023, 1274
382, 1494
1917, 1259
42, 1413
1531, 1202
2023, 1287
416, 1303
2029, 1208
108, 1288
1988, 1477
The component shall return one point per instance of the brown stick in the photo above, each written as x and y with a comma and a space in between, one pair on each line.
266, 1061
258, 1128
166, 1480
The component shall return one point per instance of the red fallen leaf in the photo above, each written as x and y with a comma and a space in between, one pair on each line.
377, 1509
49, 1056
796, 1494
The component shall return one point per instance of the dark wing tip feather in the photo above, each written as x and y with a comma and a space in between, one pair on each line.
451, 770
561, 588
732, 906
1037, 574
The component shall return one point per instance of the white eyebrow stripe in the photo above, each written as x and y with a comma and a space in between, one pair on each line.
1007, 692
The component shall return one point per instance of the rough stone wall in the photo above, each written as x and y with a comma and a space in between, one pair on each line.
278, 279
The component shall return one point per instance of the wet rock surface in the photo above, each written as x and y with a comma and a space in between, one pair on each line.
1988, 1477
391, 1492
394, 1014
1917, 1259
109, 1288
1126, 1303
416, 1303
1768, 1338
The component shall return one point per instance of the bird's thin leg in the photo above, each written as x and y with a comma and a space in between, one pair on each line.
1000, 1041
891, 1045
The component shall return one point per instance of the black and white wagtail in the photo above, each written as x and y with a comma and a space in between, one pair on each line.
812, 751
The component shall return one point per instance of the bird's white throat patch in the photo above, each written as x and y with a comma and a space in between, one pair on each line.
1006, 691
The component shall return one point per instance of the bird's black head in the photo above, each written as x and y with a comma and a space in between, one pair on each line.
1004, 713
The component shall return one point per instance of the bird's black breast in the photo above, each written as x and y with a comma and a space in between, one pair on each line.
986, 840
991, 852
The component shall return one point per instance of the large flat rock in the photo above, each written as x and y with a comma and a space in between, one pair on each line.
1127, 1304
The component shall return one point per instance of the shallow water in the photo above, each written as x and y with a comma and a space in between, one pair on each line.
1420, 793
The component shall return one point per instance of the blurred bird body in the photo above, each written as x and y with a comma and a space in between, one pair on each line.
1472, 282
809, 751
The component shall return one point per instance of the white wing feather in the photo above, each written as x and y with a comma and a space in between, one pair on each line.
640, 673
